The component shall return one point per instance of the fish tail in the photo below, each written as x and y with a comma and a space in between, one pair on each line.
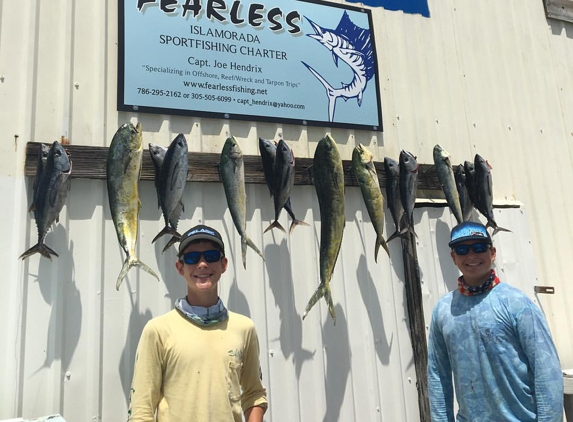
380, 242
171, 242
132, 262
496, 228
166, 230
275, 224
394, 236
295, 223
40, 248
250, 243
323, 290
244, 251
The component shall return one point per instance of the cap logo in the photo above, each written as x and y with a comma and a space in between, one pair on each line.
209, 232
477, 234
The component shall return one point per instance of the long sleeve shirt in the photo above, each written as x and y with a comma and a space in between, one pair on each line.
186, 372
504, 364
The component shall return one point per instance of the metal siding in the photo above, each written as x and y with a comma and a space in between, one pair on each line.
492, 78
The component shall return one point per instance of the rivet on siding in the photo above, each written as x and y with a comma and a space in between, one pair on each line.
271, 353
474, 123
1, 78
541, 130
68, 375
76, 85
508, 127
437, 121
397, 117
410, 380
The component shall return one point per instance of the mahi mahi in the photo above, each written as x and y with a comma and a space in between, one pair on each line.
365, 172
328, 176
123, 169
448, 181
50, 192
233, 177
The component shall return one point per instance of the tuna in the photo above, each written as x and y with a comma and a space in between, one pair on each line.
448, 181
392, 170
408, 184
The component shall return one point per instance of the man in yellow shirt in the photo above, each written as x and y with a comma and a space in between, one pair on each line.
199, 362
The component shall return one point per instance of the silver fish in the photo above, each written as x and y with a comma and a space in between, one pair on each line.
465, 201
470, 173
328, 176
365, 172
50, 194
233, 177
283, 181
268, 151
408, 184
484, 192
157, 153
123, 169
171, 185
447, 181
392, 171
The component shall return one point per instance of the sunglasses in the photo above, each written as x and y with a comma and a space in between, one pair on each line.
210, 256
476, 248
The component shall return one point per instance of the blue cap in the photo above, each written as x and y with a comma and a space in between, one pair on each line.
468, 230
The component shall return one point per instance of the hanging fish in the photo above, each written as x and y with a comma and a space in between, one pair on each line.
484, 192
123, 169
171, 185
470, 173
49, 196
408, 184
328, 176
392, 171
233, 177
41, 163
447, 181
268, 152
157, 153
465, 201
283, 181
365, 172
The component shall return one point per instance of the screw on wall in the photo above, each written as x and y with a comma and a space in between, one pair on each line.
16, 142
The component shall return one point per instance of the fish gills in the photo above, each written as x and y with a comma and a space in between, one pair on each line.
233, 177
392, 170
328, 176
365, 172
171, 185
123, 169
50, 192
448, 181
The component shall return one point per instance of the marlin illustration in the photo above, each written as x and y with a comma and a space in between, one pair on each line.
353, 46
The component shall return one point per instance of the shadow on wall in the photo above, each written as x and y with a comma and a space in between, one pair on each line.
449, 270
281, 284
337, 349
419, 7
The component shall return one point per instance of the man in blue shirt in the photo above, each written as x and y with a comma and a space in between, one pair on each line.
494, 341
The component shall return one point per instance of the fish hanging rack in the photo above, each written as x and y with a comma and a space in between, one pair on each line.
89, 162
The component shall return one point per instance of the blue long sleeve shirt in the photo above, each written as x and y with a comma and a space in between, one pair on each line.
503, 360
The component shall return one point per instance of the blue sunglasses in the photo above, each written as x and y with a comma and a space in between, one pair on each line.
476, 248
210, 256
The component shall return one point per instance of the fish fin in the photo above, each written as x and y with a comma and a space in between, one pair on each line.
295, 223
244, 251
323, 290
380, 242
40, 248
171, 242
250, 243
496, 228
394, 236
127, 264
275, 224
166, 230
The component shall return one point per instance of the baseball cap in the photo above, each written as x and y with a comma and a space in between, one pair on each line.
468, 230
201, 232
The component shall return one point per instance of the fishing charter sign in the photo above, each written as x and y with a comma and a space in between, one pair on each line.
292, 61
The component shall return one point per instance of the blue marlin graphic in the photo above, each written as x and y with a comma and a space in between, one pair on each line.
352, 45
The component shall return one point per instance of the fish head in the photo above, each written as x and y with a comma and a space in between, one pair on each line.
469, 167
130, 136
391, 166
324, 36
267, 148
440, 154
232, 149
408, 161
44, 150
157, 153
286, 152
179, 145
481, 164
58, 158
361, 156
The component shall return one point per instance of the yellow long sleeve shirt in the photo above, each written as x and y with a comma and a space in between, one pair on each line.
199, 374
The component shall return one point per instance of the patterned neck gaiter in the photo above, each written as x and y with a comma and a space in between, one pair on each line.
201, 316
489, 284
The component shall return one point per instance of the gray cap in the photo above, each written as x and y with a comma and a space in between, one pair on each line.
201, 232
468, 230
